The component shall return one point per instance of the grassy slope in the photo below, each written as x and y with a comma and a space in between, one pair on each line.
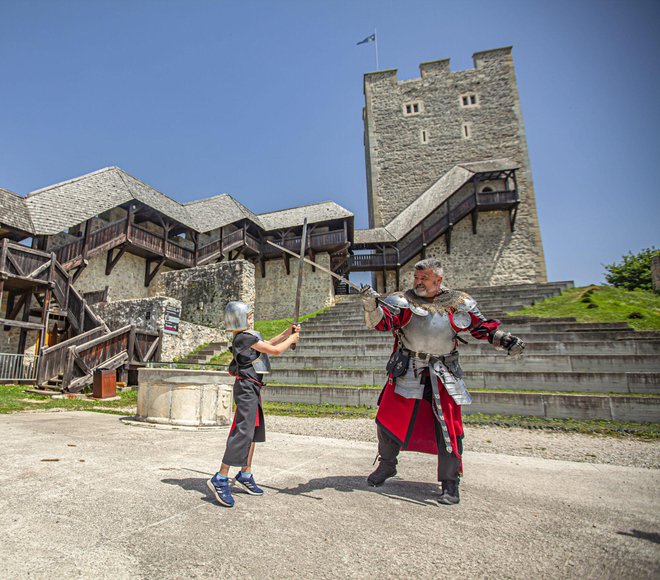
268, 329
639, 308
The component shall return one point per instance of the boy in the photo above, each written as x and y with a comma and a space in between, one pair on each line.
249, 364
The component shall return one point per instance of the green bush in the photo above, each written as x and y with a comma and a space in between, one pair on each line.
634, 272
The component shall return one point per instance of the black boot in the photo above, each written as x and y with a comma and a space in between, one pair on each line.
384, 471
449, 495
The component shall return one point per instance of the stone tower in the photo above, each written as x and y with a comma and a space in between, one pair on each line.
416, 130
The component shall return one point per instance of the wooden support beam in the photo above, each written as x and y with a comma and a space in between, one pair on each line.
16, 308
79, 271
513, 212
22, 339
111, 261
149, 273
3, 255
312, 257
286, 264
20, 324
15, 264
88, 226
475, 218
262, 263
448, 237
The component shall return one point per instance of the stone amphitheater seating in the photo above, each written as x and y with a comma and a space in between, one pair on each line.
570, 369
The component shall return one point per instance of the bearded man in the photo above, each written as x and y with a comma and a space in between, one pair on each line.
419, 408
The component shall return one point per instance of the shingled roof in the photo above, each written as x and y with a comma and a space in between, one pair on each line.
60, 206
218, 211
66, 204
295, 216
14, 212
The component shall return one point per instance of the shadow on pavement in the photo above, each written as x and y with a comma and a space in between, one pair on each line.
410, 491
650, 536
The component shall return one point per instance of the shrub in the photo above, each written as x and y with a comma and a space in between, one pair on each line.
634, 272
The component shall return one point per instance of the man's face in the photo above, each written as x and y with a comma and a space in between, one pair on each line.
427, 283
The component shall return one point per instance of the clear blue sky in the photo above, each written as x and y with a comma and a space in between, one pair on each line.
263, 100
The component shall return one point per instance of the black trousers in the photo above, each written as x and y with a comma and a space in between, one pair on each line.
449, 465
248, 404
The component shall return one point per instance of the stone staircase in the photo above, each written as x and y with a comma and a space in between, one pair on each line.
205, 354
611, 366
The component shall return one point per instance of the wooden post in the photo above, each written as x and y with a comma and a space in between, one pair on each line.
26, 318
86, 238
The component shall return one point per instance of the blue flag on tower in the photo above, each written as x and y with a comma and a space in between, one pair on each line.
370, 38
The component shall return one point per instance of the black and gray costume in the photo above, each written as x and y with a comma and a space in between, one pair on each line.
248, 425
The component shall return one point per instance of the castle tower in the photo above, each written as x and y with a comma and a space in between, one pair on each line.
415, 131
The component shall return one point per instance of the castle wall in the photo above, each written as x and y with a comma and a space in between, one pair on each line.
407, 152
205, 290
190, 335
487, 258
276, 293
126, 280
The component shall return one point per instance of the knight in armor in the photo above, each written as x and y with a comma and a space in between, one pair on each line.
249, 365
419, 408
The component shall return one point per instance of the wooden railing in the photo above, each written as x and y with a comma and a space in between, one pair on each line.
432, 227
232, 240
209, 251
317, 242
126, 345
53, 360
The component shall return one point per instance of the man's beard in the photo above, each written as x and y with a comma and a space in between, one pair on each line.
423, 292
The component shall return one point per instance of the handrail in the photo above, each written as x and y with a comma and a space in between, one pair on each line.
432, 227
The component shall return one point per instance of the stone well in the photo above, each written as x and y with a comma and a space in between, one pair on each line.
183, 397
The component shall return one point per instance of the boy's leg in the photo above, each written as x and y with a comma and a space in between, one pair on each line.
245, 477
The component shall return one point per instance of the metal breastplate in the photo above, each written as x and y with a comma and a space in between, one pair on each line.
262, 363
431, 334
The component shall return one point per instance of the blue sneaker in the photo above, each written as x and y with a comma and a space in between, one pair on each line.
247, 481
220, 488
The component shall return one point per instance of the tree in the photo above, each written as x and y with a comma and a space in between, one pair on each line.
634, 272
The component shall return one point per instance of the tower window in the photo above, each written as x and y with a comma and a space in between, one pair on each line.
424, 136
469, 100
466, 131
413, 108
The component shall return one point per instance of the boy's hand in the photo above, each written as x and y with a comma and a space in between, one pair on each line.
295, 337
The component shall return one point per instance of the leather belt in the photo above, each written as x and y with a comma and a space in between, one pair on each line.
426, 357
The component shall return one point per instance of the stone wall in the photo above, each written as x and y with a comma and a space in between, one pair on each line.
276, 293
126, 281
149, 313
204, 291
489, 255
400, 166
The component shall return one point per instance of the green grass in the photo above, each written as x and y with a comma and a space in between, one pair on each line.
14, 399
271, 328
268, 329
649, 431
639, 308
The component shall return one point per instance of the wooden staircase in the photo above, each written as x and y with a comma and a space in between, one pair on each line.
29, 276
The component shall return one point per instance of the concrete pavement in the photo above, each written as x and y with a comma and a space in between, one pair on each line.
84, 495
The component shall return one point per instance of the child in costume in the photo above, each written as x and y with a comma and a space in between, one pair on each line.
249, 364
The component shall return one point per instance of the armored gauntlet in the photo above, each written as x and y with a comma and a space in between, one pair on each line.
506, 341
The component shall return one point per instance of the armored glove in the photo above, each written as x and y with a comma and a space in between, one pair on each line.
369, 297
506, 341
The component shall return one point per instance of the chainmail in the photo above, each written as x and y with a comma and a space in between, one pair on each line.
446, 301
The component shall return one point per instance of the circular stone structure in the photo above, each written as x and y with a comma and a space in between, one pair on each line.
184, 398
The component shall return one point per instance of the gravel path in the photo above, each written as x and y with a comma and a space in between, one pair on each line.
625, 451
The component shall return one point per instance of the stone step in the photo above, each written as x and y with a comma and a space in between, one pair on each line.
621, 382
516, 327
540, 404
561, 285
486, 362
619, 347
207, 353
368, 337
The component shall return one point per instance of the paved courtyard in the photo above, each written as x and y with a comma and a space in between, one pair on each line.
84, 495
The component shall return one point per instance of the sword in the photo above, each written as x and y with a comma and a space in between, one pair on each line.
328, 271
301, 266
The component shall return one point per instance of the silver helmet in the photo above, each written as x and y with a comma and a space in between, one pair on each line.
236, 315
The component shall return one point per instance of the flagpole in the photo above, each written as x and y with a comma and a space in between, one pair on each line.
376, 41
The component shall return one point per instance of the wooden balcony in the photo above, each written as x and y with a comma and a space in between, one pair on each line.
321, 242
439, 223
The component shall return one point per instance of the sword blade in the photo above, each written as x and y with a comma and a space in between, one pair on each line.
311, 263
301, 266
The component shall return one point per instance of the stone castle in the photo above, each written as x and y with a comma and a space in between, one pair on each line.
447, 174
